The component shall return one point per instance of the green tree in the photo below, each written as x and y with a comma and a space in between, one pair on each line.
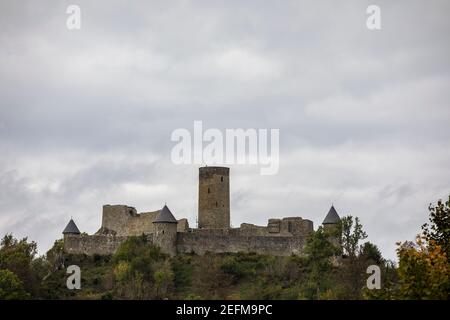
136, 261
11, 288
163, 279
352, 234
17, 256
138, 251
371, 253
352, 275
122, 271
320, 253
438, 228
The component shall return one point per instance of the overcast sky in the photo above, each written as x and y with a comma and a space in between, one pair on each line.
86, 115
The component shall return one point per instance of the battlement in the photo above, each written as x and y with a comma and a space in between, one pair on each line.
210, 172
285, 227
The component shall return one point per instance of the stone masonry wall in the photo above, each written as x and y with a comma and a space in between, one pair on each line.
122, 220
280, 237
125, 221
94, 244
202, 242
294, 226
199, 241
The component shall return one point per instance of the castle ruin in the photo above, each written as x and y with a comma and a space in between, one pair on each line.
282, 237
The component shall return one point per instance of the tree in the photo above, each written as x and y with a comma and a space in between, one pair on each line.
320, 252
136, 261
11, 288
163, 279
371, 253
438, 228
17, 256
122, 271
352, 274
424, 270
424, 267
351, 236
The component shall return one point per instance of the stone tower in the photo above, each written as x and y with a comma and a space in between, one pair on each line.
214, 197
165, 231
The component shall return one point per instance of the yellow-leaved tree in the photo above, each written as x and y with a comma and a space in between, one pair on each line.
424, 270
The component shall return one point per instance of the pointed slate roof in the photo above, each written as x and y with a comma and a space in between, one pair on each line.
332, 217
165, 216
71, 228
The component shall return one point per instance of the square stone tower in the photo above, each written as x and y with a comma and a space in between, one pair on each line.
214, 198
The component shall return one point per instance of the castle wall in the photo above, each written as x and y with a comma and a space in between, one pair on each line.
248, 229
199, 241
280, 237
220, 242
116, 218
183, 225
142, 223
122, 220
294, 226
94, 244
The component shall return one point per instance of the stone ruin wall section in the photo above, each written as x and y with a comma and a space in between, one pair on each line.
90, 245
200, 243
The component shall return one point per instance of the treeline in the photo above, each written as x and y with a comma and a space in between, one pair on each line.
335, 267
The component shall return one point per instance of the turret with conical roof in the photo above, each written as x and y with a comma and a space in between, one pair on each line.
70, 231
71, 228
331, 225
165, 231
165, 215
332, 217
